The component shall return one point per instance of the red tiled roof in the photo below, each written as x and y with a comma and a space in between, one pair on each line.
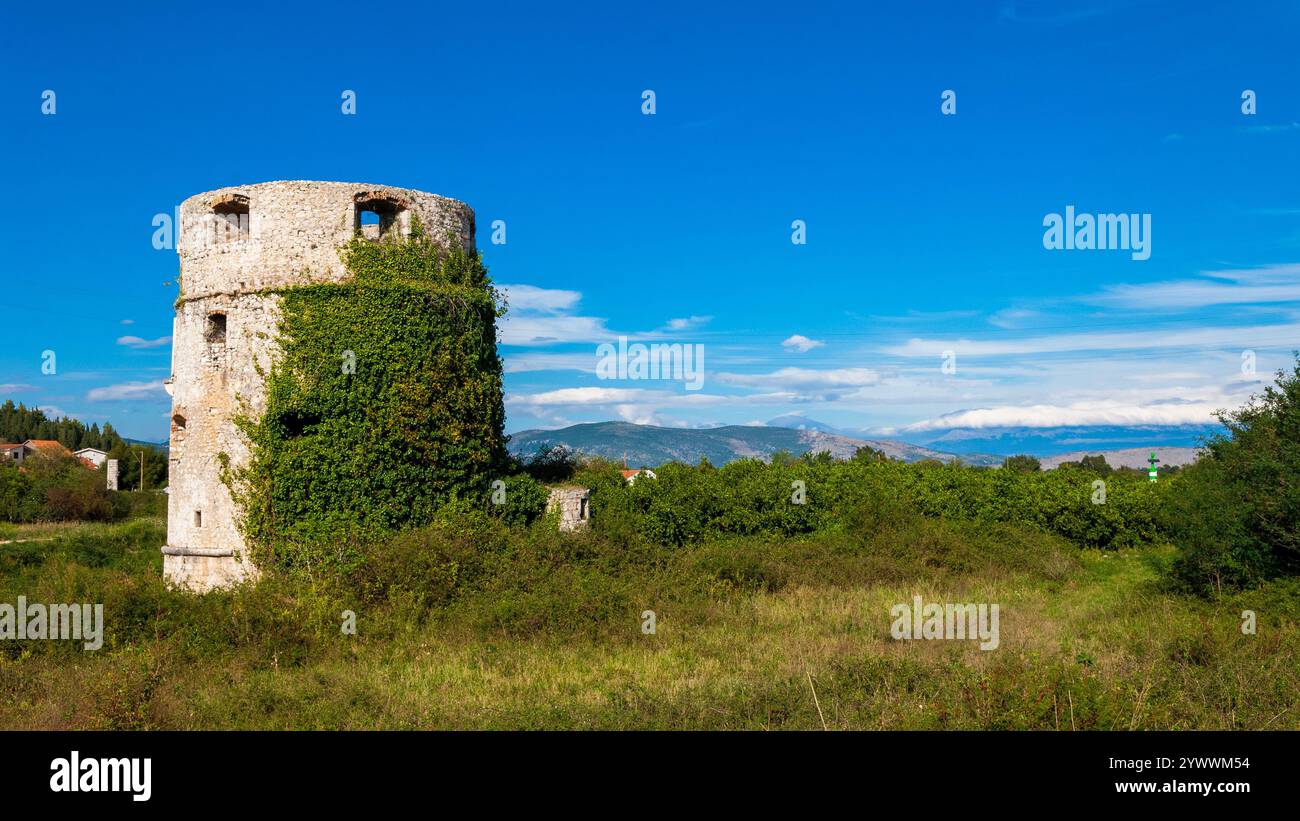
50, 447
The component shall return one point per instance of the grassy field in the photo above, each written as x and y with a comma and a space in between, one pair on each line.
762, 633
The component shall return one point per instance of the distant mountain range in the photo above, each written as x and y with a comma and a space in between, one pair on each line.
650, 446
1064, 440
163, 446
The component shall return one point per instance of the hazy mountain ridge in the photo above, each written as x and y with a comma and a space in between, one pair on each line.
650, 446
1066, 440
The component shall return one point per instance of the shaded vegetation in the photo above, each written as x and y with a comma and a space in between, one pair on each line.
385, 404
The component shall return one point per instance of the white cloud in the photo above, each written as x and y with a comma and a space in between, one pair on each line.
128, 322
687, 323
801, 344
141, 344
1013, 317
1221, 337
579, 396
612, 396
639, 415
796, 378
126, 390
551, 330
1270, 284
531, 299
1082, 413
531, 361
1031, 364
544, 316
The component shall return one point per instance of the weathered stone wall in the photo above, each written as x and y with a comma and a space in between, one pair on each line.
294, 232
572, 504
236, 245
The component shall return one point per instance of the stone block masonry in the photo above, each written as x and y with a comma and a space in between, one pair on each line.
238, 247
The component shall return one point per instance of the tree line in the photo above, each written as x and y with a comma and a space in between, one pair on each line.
18, 423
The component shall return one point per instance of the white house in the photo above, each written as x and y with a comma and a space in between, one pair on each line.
93, 455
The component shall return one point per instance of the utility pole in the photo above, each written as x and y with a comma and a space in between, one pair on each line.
1151, 474
141, 455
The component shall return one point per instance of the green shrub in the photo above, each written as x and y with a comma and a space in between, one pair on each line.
525, 500
48, 489
688, 504
1236, 513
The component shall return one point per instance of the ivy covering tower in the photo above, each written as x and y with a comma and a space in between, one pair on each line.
335, 373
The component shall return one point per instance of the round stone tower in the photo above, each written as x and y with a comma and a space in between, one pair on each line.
237, 247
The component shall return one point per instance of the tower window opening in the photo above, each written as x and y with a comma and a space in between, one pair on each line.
216, 329
198, 518
231, 219
379, 217
178, 423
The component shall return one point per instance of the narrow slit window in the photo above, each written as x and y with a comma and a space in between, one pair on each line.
198, 518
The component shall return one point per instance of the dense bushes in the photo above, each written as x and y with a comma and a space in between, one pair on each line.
1236, 516
687, 504
48, 489
477, 624
467, 569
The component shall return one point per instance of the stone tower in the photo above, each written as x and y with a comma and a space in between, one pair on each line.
237, 247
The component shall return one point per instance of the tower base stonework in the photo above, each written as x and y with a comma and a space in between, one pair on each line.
239, 248
201, 572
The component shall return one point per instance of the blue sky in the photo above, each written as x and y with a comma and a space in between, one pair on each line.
924, 230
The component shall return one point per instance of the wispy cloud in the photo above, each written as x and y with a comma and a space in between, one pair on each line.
803, 378
611, 396
127, 390
532, 361
141, 344
544, 316
1217, 337
687, 323
1272, 128
1268, 284
531, 299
